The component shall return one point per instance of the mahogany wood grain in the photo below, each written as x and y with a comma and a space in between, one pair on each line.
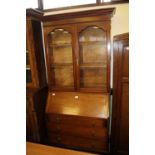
38, 149
120, 110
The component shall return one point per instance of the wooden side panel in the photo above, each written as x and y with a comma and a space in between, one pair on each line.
120, 110
34, 45
35, 112
32, 131
39, 52
32, 59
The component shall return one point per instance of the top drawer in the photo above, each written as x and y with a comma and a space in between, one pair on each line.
77, 120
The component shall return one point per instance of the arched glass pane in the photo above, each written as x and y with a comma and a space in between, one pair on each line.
60, 54
93, 58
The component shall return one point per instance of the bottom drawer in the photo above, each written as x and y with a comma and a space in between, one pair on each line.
78, 143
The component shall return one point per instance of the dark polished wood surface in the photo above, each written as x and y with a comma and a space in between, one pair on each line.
120, 110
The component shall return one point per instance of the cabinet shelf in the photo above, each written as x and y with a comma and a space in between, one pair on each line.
91, 65
92, 43
55, 65
60, 45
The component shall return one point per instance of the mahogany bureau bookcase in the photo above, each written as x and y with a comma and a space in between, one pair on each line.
36, 85
77, 49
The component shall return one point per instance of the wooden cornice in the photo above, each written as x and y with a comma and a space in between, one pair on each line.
109, 12
34, 13
37, 14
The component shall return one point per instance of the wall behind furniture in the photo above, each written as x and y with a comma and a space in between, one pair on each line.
120, 24
120, 21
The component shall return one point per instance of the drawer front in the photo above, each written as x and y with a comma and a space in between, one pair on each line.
78, 142
77, 121
85, 132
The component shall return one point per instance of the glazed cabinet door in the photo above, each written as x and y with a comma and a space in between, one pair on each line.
60, 57
93, 56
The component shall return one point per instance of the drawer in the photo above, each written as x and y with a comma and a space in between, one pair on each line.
78, 142
86, 132
77, 120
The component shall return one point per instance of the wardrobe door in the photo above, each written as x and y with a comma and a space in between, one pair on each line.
120, 110
93, 57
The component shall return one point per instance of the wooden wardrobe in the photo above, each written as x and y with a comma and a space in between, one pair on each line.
77, 49
120, 107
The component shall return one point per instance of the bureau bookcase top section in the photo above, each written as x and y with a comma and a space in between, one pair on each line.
78, 51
